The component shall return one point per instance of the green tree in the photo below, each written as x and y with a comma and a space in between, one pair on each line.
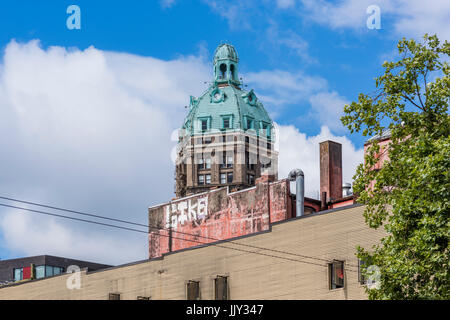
409, 195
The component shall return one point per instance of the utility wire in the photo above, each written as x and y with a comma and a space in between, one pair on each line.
167, 229
73, 211
146, 232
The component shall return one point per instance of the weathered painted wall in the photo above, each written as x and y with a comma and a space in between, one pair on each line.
217, 215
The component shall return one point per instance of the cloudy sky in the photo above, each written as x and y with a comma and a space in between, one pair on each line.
87, 117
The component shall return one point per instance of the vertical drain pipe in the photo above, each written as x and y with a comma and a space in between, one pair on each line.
299, 178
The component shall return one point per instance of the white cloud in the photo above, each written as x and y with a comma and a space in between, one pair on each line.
281, 87
409, 18
284, 4
278, 88
297, 150
327, 108
237, 13
287, 39
167, 3
90, 130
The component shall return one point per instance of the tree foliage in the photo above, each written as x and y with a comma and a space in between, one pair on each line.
410, 194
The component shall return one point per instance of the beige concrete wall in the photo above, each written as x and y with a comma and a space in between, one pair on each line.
326, 236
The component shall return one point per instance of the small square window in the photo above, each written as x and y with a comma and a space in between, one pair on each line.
204, 125
221, 288
200, 164
114, 296
226, 123
336, 274
249, 124
193, 290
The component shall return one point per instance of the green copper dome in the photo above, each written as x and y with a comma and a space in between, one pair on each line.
224, 106
225, 52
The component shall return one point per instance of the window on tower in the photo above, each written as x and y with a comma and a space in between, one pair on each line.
223, 70
204, 125
226, 123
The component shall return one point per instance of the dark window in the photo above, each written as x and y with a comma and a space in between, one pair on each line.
232, 71
226, 123
249, 124
204, 125
114, 296
221, 288
336, 274
142, 298
193, 290
223, 69
200, 164
251, 179
230, 177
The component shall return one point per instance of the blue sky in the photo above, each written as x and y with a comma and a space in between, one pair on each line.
304, 58
347, 59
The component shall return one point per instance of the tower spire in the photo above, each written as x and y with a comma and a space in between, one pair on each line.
226, 63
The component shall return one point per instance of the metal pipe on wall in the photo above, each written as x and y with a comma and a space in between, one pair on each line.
299, 178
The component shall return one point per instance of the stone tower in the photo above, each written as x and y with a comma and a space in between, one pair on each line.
227, 138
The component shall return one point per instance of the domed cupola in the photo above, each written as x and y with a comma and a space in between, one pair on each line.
227, 138
226, 65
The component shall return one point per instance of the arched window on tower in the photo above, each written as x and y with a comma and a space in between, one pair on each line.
232, 72
223, 70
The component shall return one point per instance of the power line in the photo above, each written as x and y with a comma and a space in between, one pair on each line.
159, 229
73, 211
146, 232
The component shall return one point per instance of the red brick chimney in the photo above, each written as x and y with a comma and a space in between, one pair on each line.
331, 170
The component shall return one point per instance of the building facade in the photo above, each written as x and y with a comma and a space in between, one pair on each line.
309, 257
233, 231
37, 267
